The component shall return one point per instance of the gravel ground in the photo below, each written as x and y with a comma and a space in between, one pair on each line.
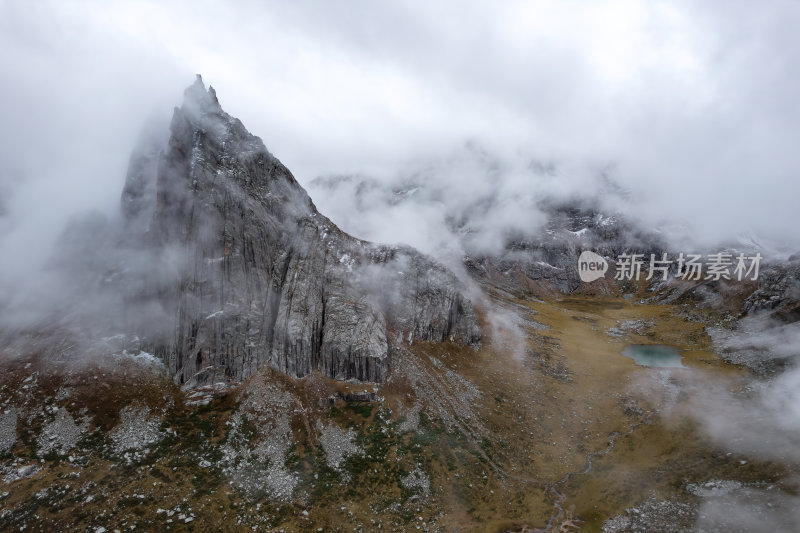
447, 395
266, 410
410, 418
337, 443
713, 506
623, 327
8, 429
417, 481
136, 429
61, 434
16, 472
654, 515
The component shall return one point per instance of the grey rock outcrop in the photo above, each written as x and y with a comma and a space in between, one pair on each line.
544, 262
778, 292
250, 273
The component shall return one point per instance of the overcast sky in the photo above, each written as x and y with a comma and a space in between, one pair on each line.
690, 105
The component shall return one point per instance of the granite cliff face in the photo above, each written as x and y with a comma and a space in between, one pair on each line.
250, 273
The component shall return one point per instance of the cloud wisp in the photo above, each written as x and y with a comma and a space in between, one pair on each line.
689, 108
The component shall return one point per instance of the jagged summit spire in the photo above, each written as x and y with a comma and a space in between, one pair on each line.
255, 275
197, 96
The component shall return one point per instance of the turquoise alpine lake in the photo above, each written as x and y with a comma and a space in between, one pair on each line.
657, 355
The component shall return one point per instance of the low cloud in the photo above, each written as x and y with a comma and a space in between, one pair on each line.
753, 417
688, 108
759, 417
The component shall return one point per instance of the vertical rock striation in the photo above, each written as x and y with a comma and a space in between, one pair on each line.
249, 272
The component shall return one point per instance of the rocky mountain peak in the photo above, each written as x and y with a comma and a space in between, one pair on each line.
253, 274
198, 97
